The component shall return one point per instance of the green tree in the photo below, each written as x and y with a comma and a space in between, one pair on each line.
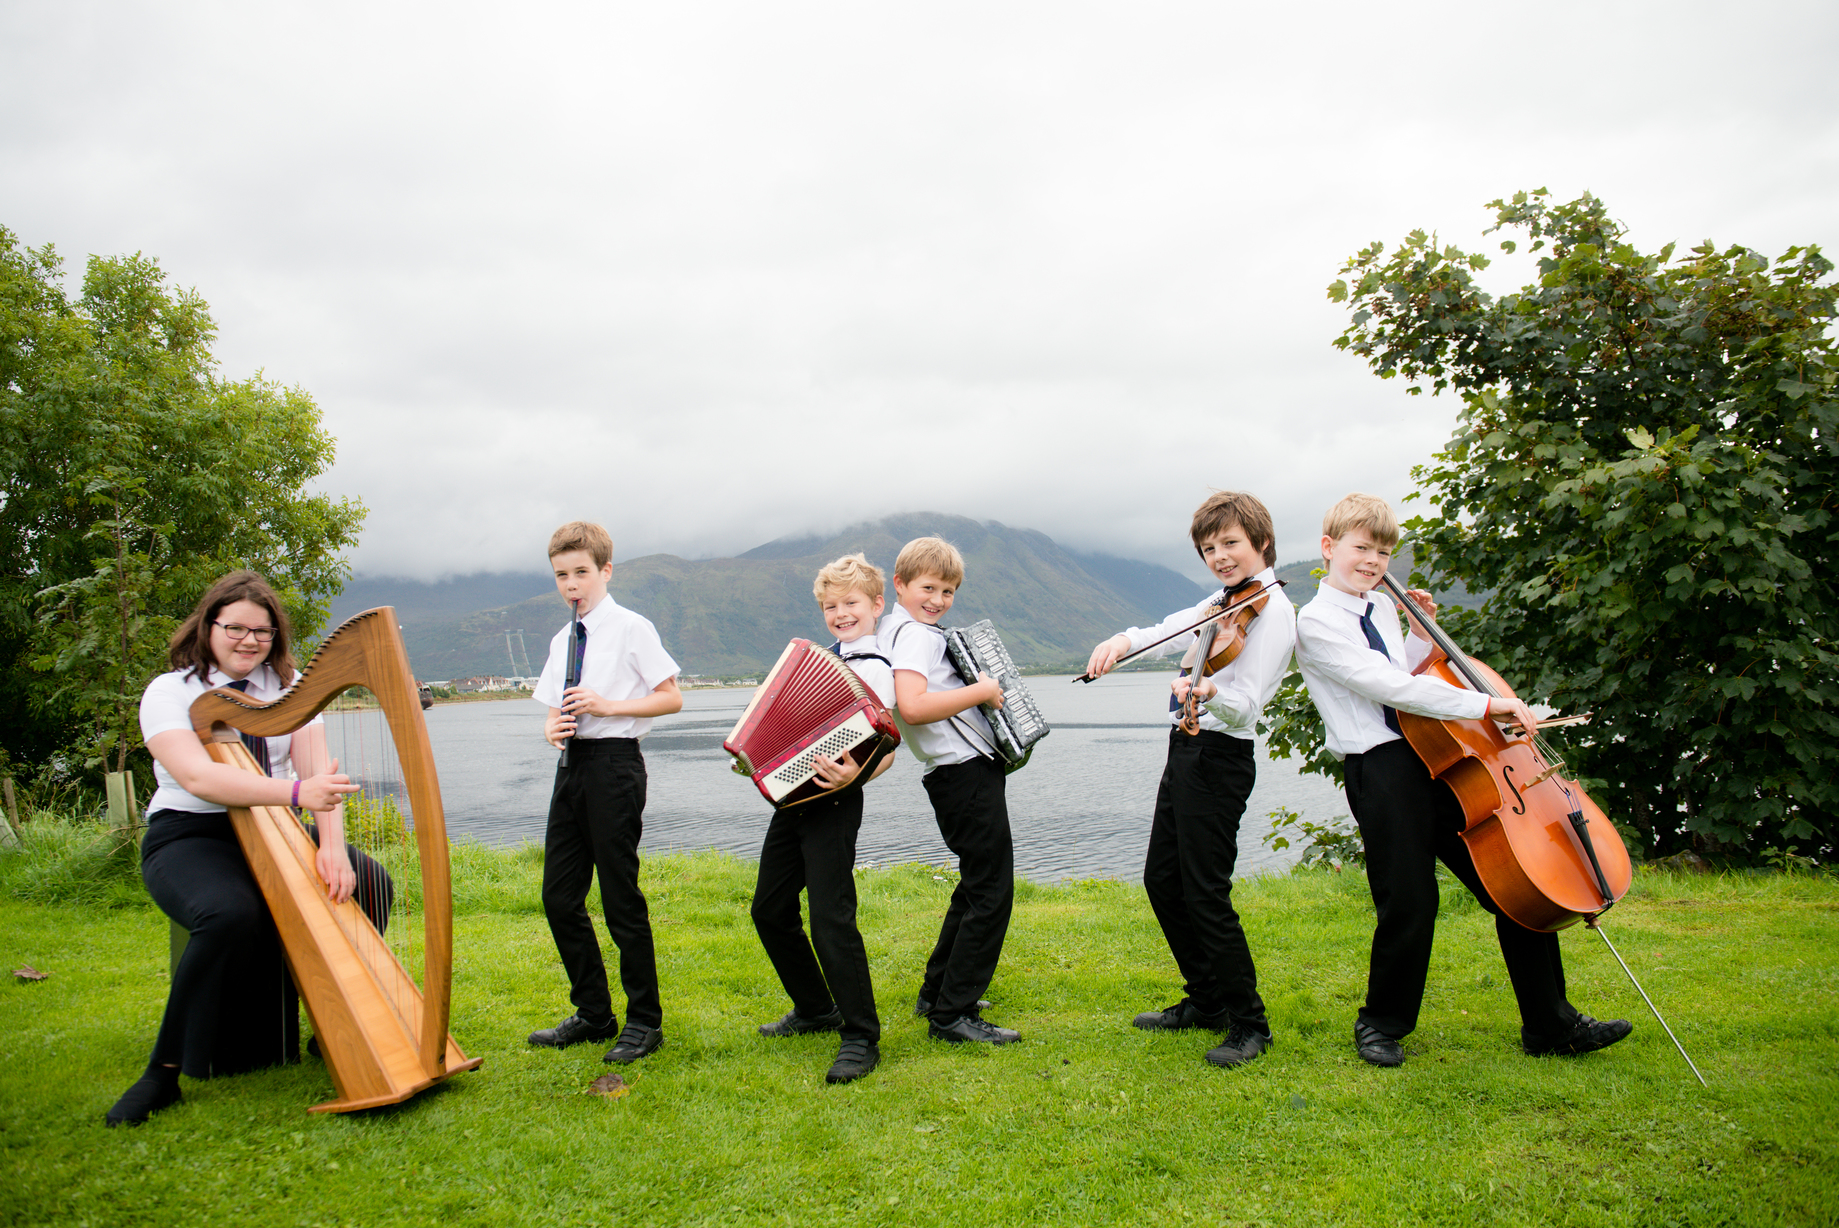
131, 476
1642, 477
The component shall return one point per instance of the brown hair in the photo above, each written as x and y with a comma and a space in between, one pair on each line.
930, 556
190, 648
851, 573
1228, 509
583, 535
1358, 511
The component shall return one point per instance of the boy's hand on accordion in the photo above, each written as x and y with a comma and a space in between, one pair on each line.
835, 773
991, 691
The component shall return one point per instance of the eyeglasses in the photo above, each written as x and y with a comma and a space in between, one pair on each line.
237, 632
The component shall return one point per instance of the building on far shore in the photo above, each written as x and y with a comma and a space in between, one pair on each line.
492, 682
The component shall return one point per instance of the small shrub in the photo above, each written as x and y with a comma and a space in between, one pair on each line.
68, 859
1330, 845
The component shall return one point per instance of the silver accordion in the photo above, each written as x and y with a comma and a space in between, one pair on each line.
1018, 724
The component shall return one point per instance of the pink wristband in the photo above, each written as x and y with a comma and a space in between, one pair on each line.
296, 795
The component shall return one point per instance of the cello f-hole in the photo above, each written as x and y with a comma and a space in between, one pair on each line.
1519, 801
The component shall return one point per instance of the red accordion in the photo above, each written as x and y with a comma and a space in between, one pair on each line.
810, 705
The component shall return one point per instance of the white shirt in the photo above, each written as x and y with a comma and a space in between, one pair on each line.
166, 705
920, 647
1350, 682
876, 676
1248, 683
624, 660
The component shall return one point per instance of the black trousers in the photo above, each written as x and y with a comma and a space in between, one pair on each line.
1193, 846
973, 816
1408, 822
231, 1006
812, 848
594, 827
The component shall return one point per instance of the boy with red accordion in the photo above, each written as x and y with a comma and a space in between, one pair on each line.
811, 847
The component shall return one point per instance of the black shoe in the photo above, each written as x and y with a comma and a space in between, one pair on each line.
634, 1043
573, 1030
855, 1059
1241, 1046
157, 1089
969, 1027
1375, 1047
1586, 1036
795, 1024
1180, 1017
313, 1046
922, 1006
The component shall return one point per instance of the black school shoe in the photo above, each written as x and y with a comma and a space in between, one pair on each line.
634, 1043
1242, 1044
969, 1027
573, 1030
1376, 1048
855, 1059
1586, 1036
156, 1089
794, 1024
1180, 1017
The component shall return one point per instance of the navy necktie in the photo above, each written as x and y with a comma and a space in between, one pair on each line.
1378, 645
258, 747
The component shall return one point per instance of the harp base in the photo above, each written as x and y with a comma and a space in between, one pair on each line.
395, 1097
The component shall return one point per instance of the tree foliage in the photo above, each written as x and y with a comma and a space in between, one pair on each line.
131, 476
1643, 477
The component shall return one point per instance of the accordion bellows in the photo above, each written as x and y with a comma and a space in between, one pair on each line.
1018, 724
811, 704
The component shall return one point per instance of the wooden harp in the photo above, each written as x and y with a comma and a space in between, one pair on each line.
383, 1039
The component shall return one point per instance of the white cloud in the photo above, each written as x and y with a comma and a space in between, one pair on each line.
715, 272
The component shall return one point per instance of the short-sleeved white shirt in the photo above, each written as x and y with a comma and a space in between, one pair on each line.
916, 646
624, 660
876, 676
166, 705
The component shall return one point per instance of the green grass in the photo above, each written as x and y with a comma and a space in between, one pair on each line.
1087, 1121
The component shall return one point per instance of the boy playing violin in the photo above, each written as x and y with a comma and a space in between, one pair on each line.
1194, 835
1357, 668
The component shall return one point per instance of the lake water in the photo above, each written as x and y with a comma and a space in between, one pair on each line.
1080, 809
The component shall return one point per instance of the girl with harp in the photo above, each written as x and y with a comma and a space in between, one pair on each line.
228, 1007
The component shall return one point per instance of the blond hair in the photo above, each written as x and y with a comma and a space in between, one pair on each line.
1358, 511
583, 535
852, 573
1230, 509
929, 556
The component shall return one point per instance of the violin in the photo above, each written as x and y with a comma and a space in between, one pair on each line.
1219, 643
1546, 853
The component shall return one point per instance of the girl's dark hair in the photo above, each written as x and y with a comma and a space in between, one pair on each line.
190, 649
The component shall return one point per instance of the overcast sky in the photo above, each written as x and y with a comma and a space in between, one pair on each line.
713, 273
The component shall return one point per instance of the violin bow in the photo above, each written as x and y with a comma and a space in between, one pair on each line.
1595, 920
1243, 601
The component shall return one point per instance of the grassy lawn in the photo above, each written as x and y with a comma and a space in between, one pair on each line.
1087, 1121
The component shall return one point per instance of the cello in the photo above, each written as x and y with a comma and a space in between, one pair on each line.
1547, 854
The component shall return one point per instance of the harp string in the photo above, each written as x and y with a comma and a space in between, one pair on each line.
378, 822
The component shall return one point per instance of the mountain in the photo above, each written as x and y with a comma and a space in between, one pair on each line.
733, 616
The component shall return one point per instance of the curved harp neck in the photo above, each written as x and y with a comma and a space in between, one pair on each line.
365, 650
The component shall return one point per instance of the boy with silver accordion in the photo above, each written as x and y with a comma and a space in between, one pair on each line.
964, 777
